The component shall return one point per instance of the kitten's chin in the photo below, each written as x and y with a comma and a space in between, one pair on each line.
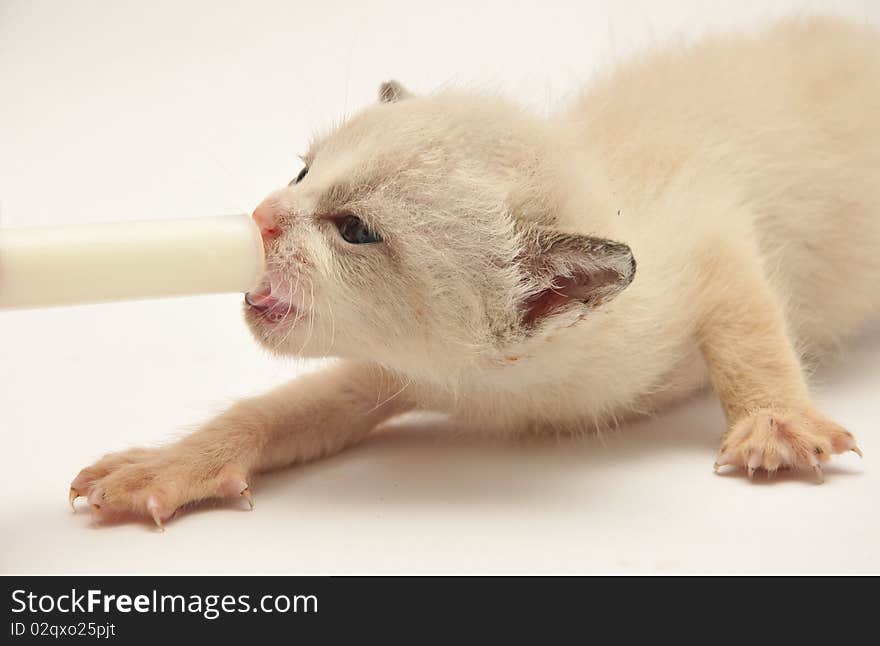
272, 322
292, 335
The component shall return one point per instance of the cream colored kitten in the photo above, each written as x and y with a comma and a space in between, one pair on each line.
461, 255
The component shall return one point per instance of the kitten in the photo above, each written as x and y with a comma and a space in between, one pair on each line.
461, 255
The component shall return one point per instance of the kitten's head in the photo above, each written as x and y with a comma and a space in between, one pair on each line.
421, 234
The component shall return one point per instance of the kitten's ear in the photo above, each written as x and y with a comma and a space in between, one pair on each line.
570, 269
392, 92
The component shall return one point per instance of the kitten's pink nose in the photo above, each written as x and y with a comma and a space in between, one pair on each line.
266, 217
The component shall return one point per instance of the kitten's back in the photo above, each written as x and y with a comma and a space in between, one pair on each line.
783, 123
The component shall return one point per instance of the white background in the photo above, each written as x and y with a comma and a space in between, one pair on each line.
130, 110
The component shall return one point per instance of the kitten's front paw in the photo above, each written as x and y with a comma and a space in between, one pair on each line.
155, 483
772, 439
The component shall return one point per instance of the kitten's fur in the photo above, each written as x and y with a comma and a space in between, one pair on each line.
742, 174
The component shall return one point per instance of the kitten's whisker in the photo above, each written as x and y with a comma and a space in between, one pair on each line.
311, 315
332, 329
291, 293
382, 403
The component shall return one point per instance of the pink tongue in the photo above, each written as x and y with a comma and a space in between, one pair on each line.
261, 297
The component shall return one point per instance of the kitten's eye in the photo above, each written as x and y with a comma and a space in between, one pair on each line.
299, 178
354, 231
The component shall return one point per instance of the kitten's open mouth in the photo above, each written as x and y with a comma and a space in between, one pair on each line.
268, 307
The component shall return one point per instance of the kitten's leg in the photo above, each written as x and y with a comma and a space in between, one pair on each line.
315, 415
772, 422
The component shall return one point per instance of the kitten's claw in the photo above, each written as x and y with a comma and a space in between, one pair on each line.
153, 508
857, 451
71, 497
755, 462
236, 485
722, 460
820, 476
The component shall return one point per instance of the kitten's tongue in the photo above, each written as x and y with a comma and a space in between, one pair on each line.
261, 297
